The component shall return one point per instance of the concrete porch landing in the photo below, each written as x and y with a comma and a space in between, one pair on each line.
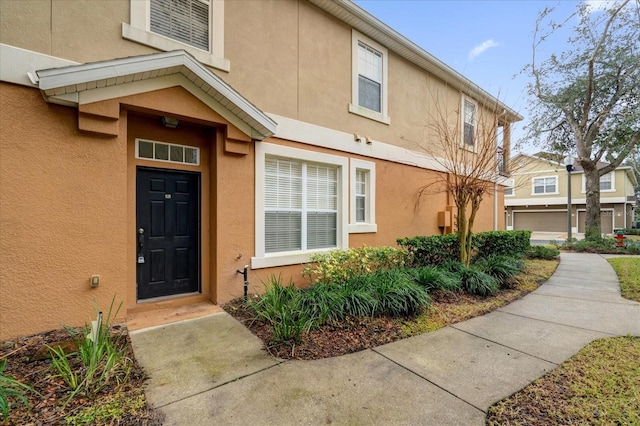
156, 317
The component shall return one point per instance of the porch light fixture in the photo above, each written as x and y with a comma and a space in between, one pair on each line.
170, 122
568, 162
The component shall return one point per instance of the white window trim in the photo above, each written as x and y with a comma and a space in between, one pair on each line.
533, 180
613, 183
268, 260
354, 107
139, 31
369, 225
464, 99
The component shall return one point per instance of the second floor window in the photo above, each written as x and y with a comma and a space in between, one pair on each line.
186, 21
606, 183
369, 78
469, 128
545, 185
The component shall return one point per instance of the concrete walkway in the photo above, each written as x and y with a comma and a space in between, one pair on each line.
212, 370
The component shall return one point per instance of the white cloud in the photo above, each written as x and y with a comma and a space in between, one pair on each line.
597, 5
481, 48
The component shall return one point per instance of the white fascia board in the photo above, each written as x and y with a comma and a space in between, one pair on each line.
352, 14
16, 64
51, 80
558, 200
324, 137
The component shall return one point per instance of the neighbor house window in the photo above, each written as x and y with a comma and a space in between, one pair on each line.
606, 182
469, 123
509, 191
196, 26
369, 86
186, 21
363, 196
545, 185
300, 204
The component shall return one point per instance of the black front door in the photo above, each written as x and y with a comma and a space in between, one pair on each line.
168, 226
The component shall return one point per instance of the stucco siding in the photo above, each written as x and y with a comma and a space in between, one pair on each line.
62, 216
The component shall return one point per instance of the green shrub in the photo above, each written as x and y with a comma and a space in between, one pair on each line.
10, 388
433, 278
431, 250
339, 266
283, 308
395, 293
542, 252
472, 279
502, 268
502, 243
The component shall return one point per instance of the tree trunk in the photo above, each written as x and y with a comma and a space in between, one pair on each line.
592, 187
462, 233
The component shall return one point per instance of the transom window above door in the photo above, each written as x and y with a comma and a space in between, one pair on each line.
167, 152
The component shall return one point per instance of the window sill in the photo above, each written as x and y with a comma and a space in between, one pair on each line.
367, 113
285, 259
545, 193
363, 228
166, 44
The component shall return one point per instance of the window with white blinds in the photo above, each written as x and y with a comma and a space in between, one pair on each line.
186, 21
361, 195
301, 205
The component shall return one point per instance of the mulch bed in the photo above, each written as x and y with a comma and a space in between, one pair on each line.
337, 338
28, 361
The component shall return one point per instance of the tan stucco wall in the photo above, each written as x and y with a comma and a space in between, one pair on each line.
287, 57
62, 216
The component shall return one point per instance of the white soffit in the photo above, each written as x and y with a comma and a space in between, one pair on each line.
63, 84
358, 18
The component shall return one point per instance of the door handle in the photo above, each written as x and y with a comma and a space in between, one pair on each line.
140, 245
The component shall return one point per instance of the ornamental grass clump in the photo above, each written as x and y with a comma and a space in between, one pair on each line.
101, 356
10, 390
502, 268
433, 278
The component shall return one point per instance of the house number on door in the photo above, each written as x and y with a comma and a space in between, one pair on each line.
167, 196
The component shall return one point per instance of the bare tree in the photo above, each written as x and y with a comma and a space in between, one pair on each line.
464, 144
587, 98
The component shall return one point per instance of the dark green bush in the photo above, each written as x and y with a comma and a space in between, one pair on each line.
431, 250
542, 252
502, 268
438, 249
283, 308
433, 278
474, 281
502, 243
396, 293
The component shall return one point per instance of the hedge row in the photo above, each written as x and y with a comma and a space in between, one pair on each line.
438, 249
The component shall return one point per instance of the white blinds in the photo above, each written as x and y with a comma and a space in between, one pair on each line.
301, 202
186, 21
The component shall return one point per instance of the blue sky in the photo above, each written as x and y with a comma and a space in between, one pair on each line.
489, 42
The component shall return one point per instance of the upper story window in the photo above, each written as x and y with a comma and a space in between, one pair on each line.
509, 191
196, 26
369, 84
607, 182
186, 21
469, 124
545, 185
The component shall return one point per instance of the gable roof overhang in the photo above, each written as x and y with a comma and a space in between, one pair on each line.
352, 14
66, 85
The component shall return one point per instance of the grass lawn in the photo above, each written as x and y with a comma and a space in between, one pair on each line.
628, 270
598, 386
